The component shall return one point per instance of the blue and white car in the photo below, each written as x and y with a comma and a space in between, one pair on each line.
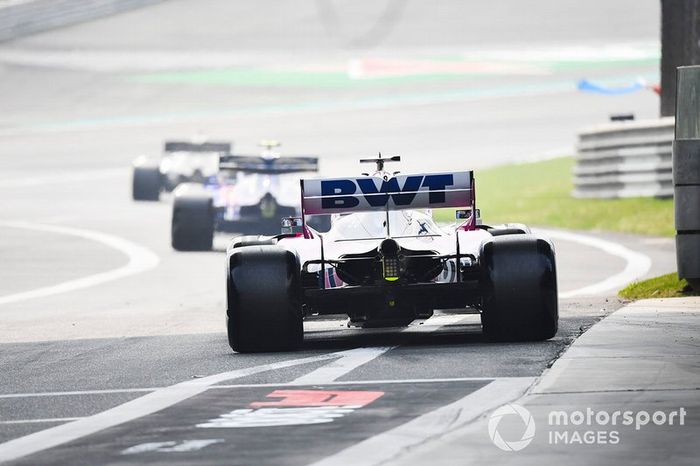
181, 162
249, 195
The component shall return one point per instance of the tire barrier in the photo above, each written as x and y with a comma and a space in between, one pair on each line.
686, 174
625, 159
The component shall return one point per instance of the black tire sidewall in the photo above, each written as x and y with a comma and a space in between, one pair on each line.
146, 184
192, 227
264, 300
520, 301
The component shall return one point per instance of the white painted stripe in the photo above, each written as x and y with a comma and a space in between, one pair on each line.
392, 444
134, 409
350, 361
78, 393
40, 421
171, 446
567, 53
140, 260
245, 385
357, 357
637, 264
366, 382
111, 61
439, 321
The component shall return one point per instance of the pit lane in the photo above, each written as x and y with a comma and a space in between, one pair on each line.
116, 342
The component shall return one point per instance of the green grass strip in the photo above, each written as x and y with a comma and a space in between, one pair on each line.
665, 286
540, 194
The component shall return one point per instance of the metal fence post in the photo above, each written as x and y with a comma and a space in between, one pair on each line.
686, 174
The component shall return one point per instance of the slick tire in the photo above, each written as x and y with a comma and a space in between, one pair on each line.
192, 226
519, 285
264, 300
146, 183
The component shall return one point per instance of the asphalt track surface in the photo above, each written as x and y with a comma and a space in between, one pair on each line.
98, 313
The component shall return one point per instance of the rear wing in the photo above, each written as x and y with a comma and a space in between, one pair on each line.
185, 146
427, 191
257, 164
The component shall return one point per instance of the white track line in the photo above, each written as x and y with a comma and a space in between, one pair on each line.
79, 393
40, 421
134, 409
243, 385
357, 357
365, 382
390, 445
348, 362
637, 264
140, 260
436, 322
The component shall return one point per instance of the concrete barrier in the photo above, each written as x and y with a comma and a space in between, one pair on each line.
23, 17
625, 159
686, 174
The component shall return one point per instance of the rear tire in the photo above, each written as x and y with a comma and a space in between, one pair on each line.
520, 289
192, 224
146, 183
264, 300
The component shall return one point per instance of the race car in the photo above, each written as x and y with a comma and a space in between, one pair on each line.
182, 161
250, 195
385, 262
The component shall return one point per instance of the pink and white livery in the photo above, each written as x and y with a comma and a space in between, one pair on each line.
385, 262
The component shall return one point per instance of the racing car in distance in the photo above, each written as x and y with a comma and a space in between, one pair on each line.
385, 262
250, 195
182, 161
